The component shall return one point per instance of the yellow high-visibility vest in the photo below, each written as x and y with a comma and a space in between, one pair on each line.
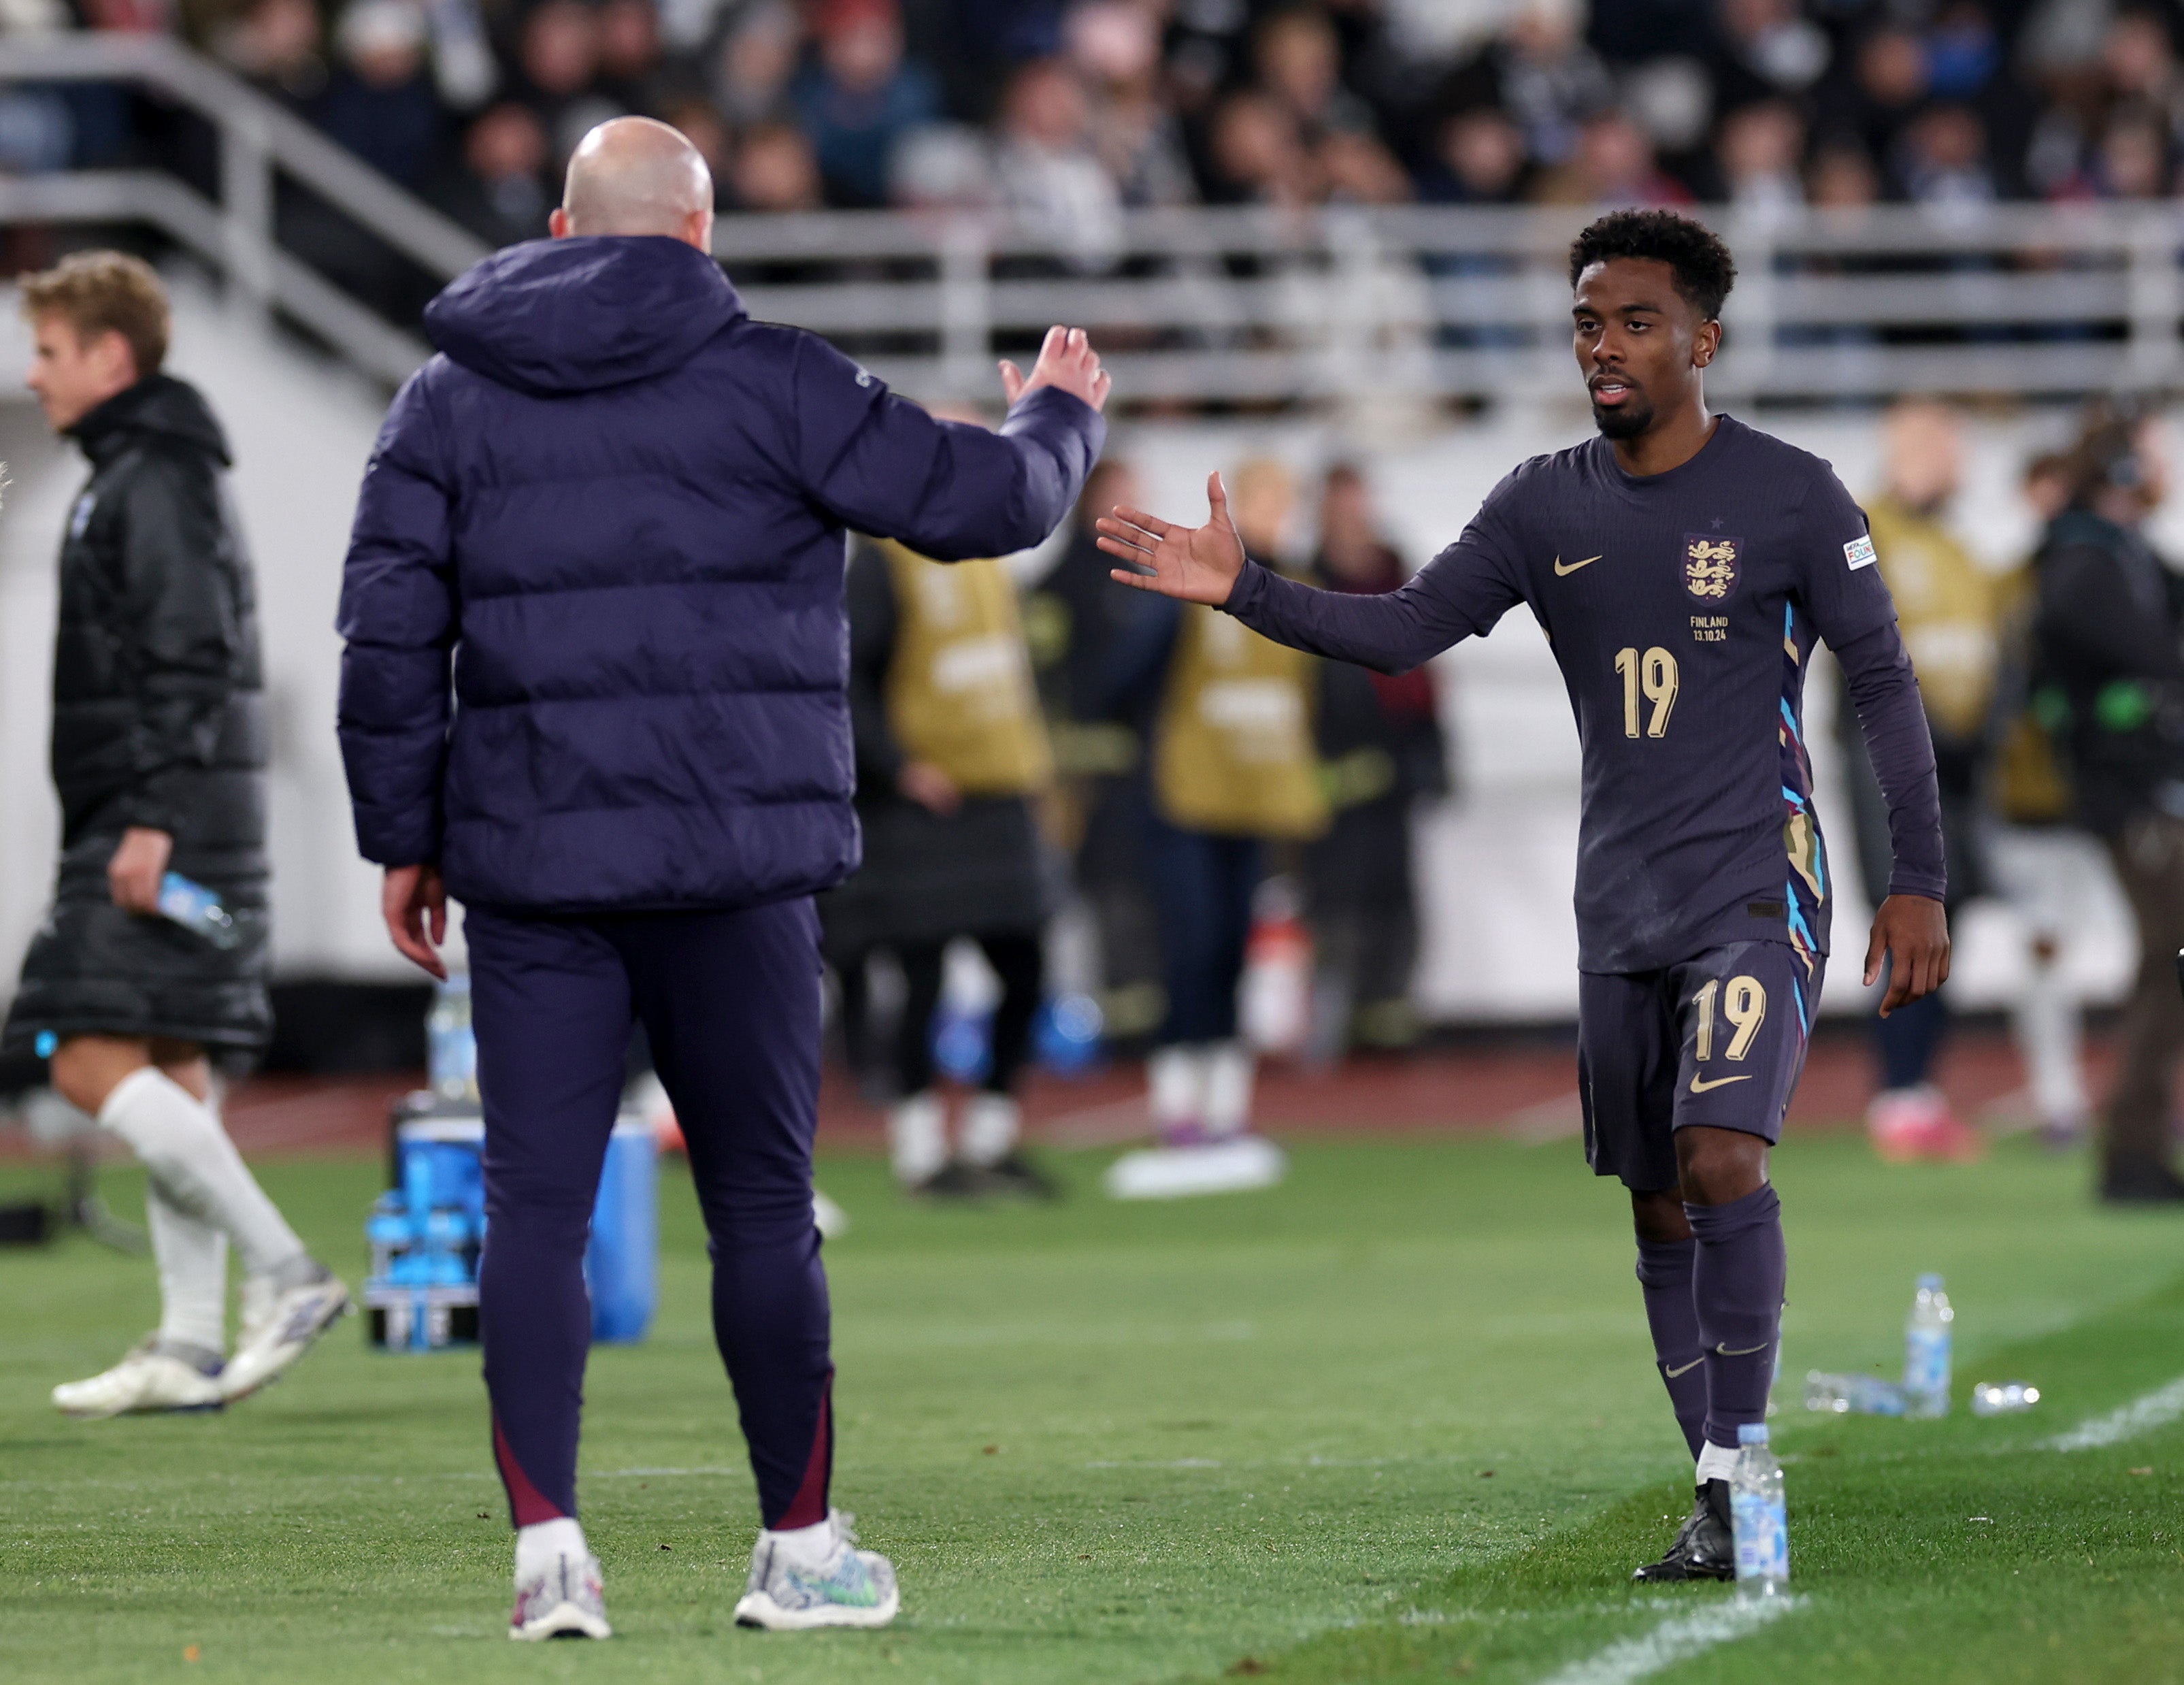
959, 687
1234, 753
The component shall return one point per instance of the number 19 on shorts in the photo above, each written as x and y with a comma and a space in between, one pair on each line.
1648, 678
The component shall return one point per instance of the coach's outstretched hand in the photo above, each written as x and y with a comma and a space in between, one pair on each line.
1912, 931
1198, 564
1066, 360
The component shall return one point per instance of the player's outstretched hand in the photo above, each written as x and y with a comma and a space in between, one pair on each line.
414, 904
1066, 360
1912, 931
1198, 564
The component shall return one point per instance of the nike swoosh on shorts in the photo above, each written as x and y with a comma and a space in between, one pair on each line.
1701, 1085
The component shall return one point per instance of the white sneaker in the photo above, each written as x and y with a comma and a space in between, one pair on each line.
567, 1601
846, 1588
281, 1333
147, 1380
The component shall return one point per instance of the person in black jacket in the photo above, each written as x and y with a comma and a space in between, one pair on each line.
158, 754
2109, 653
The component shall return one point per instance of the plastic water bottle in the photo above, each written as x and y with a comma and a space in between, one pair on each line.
1759, 1517
197, 909
1927, 1350
1861, 1395
453, 1049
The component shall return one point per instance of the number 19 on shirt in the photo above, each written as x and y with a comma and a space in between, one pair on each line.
1653, 674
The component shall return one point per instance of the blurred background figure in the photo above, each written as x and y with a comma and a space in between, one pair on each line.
1078, 618
1380, 747
859, 96
2107, 646
950, 752
1950, 613
1234, 767
2046, 866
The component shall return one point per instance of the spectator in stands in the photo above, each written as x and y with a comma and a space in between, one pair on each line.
1941, 162
756, 62
1765, 50
1479, 160
1115, 47
630, 71
2131, 162
381, 104
1539, 71
1297, 62
1841, 177
502, 191
775, 170
1049, 175
2106, 637
1759, 148
1614, 166
1886, 90
1381, 752
558, 58
1257, 157
278, 47
860, 96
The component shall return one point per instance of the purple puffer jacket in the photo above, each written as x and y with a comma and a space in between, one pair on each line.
596, 646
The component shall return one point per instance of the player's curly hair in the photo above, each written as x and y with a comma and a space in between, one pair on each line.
1703, 268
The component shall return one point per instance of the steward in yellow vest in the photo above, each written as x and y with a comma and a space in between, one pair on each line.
1233, 752
951, 751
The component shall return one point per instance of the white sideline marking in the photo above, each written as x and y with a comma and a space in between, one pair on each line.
2156, 1409
1674, 1641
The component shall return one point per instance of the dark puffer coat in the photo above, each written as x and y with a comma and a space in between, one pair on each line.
158, 721
597, 657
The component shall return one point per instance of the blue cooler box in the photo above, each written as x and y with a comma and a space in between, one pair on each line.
426, 1235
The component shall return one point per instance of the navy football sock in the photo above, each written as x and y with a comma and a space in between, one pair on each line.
1664, 1273
1736, 1285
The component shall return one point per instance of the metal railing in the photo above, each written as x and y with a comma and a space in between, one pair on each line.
1379, 310
258, 139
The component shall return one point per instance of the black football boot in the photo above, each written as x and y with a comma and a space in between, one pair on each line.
1705, 1549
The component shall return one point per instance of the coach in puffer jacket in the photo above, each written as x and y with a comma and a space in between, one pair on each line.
159, 722
621, 504
596, 687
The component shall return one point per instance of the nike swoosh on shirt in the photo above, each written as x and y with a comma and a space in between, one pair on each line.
1701, 1085
1673, 1373
1560, 570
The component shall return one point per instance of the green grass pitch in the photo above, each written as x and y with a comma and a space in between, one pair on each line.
1394, 1420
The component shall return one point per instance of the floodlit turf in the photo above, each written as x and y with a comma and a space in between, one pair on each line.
1394, 1420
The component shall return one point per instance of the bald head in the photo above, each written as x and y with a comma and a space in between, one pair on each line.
633, 175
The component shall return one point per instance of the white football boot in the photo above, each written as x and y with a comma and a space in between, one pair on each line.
278, 1327
567, 1600
836, 1585
147, 1380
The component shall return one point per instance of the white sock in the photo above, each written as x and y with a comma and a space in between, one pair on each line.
192, 1259
539, 1546
196, 1167
918, 1137
812, 1546
1175, 1079
1715, 1462
1230, 1067
989, 1127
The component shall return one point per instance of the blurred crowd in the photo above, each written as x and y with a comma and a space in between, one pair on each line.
1067, 111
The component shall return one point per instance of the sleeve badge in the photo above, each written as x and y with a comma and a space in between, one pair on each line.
1859, 552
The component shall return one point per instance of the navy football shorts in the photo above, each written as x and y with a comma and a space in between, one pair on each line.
1719, 1040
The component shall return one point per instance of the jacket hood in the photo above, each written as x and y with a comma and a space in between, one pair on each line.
159, 404
576, 315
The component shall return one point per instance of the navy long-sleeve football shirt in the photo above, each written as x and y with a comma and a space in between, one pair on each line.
1682, 608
